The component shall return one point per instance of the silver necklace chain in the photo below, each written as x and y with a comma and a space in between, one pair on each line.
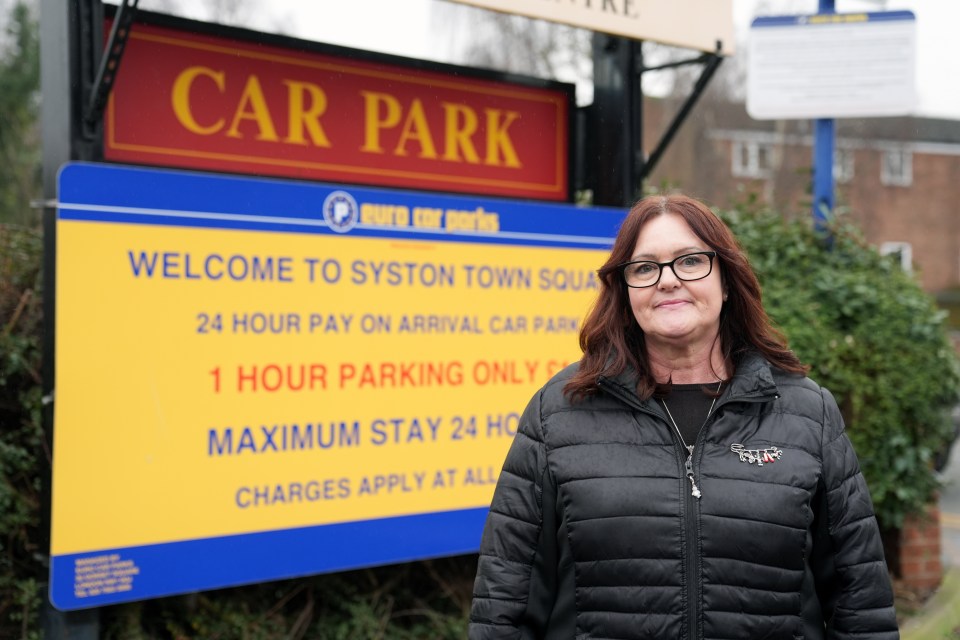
689, 447
688, 465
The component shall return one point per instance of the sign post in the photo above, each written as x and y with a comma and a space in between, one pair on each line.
823, 150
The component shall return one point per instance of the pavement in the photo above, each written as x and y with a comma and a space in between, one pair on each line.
939, 618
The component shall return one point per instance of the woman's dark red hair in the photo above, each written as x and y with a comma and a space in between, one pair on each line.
613, 342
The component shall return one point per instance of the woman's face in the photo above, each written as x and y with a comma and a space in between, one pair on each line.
682, 313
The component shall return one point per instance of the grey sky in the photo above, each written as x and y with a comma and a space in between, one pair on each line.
409, 28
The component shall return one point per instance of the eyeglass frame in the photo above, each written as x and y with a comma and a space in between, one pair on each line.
660, 265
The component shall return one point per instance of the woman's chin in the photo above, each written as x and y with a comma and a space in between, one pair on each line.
673, 333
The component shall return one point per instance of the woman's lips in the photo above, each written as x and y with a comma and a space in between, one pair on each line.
671, 303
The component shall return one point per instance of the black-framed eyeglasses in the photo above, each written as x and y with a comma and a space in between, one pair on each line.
640, 274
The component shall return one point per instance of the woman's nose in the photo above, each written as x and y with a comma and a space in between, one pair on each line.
668, 279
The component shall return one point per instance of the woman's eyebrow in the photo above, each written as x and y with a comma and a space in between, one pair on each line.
676, 252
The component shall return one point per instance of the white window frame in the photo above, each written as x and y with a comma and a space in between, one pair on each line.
752, 168
903, 249
903, 176
843, 166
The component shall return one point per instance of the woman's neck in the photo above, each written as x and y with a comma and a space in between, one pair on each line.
687, 365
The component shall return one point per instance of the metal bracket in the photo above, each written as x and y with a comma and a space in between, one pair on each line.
110, 61
711, 62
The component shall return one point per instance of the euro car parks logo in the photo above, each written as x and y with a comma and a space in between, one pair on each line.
340, 211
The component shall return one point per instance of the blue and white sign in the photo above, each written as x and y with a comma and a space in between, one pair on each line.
832, 66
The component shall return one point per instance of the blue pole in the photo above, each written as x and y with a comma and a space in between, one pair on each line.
823, 143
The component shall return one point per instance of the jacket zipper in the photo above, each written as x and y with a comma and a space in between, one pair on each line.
693, 555
692, 559
690, 526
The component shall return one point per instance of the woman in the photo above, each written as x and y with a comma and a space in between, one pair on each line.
685, 479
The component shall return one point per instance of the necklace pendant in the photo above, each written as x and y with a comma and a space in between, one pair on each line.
695, 492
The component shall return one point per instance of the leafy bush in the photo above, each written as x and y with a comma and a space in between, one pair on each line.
22, 450
429, 599
873, 337
19, 110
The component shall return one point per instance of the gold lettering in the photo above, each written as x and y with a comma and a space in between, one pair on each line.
461, 123
180, 98
415, 127
498, 140
308, 119
253, 106
384, 215
427, 217
373, 123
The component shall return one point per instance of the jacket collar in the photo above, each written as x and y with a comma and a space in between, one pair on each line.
752, 382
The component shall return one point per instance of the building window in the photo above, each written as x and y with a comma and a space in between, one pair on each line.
843, 165
896, 169
900, 252
751, 159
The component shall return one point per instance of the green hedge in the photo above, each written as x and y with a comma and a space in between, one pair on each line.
23, 455
873, 337
414, 601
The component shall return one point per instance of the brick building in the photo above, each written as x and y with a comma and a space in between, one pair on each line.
897, 178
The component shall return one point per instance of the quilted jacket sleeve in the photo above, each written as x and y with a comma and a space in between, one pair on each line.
853, 583
509, 593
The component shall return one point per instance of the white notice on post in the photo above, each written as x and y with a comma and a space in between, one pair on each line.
832, 66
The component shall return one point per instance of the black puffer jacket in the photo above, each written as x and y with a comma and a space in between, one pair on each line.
593, 531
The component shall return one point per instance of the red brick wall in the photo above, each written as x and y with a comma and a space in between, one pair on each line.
925, 214
920, 558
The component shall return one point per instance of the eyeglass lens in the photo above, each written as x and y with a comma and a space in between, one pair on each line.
692, 266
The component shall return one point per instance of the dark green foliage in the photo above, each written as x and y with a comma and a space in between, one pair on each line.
405, 602
22, 450
874, 338
19, 109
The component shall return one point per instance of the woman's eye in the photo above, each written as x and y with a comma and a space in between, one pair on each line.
644, 269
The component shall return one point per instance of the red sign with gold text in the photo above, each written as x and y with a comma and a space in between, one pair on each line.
210, 102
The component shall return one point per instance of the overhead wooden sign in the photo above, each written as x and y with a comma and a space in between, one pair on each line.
208, 101
697, 24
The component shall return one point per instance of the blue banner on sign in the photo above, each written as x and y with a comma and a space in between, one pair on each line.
84, 580
109, 193
814, 20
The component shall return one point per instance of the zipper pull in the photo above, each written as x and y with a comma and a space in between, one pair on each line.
688, 465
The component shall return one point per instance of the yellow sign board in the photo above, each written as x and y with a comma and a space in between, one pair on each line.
242, 357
